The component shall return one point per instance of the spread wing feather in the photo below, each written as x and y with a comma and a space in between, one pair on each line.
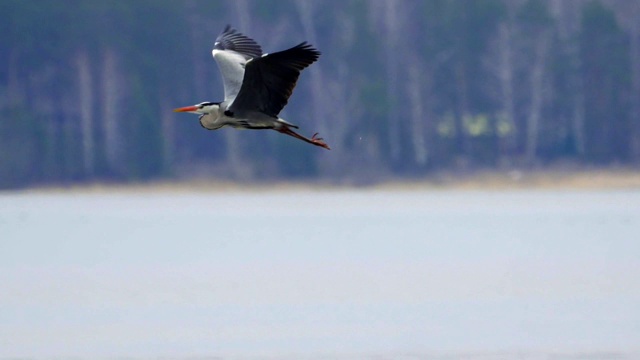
269, 80
231, 51
231, 39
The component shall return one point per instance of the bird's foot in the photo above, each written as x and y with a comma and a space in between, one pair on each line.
319, 141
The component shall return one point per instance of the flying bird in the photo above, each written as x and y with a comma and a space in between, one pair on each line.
256, 86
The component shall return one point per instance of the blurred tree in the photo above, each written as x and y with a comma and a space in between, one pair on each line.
402, 88
536, 21
606, 72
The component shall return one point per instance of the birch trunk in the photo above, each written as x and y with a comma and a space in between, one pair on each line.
462, 109
306, 9
537, 97
44, 103
505, 76
392, 21
635, 85
342, 116
111, 104
567, 15
418, 77
326, 88
196, 36
85, 87
168, 140
244, 15
347, 110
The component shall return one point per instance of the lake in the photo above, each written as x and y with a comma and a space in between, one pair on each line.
384, 274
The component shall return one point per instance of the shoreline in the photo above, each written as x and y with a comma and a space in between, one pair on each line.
622, 179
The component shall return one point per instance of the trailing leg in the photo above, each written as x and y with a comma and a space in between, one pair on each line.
313, 140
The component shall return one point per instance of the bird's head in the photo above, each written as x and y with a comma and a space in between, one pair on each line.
202, 108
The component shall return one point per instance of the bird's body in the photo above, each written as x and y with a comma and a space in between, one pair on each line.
256, 86
215, 118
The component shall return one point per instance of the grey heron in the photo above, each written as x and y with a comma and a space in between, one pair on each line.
256, 86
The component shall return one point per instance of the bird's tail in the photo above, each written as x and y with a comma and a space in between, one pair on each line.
288, 123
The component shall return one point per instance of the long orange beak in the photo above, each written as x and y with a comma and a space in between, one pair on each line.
186, 109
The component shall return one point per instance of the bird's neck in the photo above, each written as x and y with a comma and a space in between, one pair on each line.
213, 109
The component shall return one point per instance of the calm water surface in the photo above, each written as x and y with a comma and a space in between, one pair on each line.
516, 274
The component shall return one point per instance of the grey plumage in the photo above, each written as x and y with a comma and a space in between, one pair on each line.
256, 87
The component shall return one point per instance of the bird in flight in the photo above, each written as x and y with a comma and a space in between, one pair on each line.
256, 86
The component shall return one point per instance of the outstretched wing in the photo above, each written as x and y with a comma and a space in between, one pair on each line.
231, 51
269, 80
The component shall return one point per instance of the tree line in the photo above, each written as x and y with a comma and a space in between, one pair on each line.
403, 88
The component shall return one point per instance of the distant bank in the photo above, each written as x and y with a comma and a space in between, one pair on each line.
582, 179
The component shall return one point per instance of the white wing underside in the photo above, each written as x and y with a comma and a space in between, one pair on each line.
231, 65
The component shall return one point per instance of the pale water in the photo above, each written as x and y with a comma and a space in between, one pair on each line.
327, 274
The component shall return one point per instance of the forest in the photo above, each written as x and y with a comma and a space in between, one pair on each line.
403, 89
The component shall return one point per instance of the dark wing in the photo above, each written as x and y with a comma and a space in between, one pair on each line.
269, 80
231, 39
